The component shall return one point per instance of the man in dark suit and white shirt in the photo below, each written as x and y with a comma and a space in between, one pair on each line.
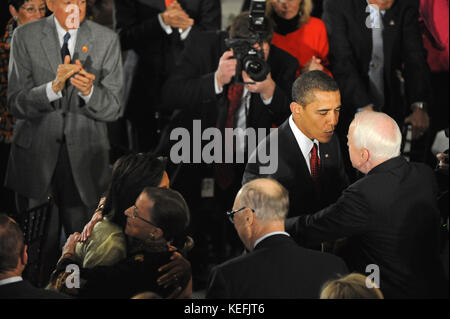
390, 217
275, 267
309, 158
13, 260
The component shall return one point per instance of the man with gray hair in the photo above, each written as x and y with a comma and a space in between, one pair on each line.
390, 217
276, 266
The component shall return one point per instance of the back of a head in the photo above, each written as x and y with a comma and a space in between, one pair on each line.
239, 29
307, 83
131, 174
378, 133
268, 198
352, 286
11, 243
170, 212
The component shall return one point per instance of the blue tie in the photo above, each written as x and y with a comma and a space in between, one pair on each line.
65, 48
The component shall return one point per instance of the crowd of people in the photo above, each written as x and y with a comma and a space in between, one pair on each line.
94, 93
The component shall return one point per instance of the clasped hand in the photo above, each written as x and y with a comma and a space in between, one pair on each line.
176, 17
81, 80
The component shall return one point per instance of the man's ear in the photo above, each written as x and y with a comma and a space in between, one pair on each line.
365, 155
249, 217
24, 255
295, 108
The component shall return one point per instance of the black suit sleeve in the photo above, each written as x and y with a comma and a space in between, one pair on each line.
416, 70
349, 216
343, 64
192, 83
217, 288
210, 15
135, 33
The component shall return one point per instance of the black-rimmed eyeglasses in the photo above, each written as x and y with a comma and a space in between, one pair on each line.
230, 214
135, 214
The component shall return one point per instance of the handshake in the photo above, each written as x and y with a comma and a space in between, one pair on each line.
176, 17
82, 80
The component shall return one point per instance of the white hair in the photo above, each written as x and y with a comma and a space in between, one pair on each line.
268, 198
378, 133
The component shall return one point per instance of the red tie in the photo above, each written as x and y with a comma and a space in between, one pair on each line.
315, 164
234, 99
168, 3
223, 172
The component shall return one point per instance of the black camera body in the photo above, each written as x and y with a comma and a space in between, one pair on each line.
250, 59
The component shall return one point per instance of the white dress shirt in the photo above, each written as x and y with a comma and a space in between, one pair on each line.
305, 143
10, 280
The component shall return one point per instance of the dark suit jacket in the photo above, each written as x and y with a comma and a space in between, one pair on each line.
351, 50
191, 87
293, 173
24, 290
125, 279
139, 29
276, 268
391, 220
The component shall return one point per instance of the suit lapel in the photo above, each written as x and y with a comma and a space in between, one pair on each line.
294, 156
363, 18
50, 44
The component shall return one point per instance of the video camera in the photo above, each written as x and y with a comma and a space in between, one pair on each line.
250, 59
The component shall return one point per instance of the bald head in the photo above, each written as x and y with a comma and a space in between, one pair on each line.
268, 198
373, 138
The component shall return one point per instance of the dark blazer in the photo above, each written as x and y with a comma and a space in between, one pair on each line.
24, 290
135, 274
276, 268
139, 29
351, 50
293, 173
191, 87
391, 220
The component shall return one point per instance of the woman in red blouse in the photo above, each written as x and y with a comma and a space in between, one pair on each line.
298, 33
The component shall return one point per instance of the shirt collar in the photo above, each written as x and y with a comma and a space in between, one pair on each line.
10, 280
61, 32
304, 142
260, 239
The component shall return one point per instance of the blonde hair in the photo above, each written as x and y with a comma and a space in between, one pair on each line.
352, 286
306, 7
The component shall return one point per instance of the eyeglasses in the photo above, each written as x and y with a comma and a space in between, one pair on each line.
33, 10
136, 215
230, 214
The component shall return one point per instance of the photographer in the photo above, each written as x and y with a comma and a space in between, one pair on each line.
204, 87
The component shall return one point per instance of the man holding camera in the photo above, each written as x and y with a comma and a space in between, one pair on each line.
204, 87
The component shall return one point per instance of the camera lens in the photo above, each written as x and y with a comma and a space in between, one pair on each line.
256, 68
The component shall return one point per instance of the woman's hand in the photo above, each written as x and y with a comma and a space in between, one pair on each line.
176, 273
98, 216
